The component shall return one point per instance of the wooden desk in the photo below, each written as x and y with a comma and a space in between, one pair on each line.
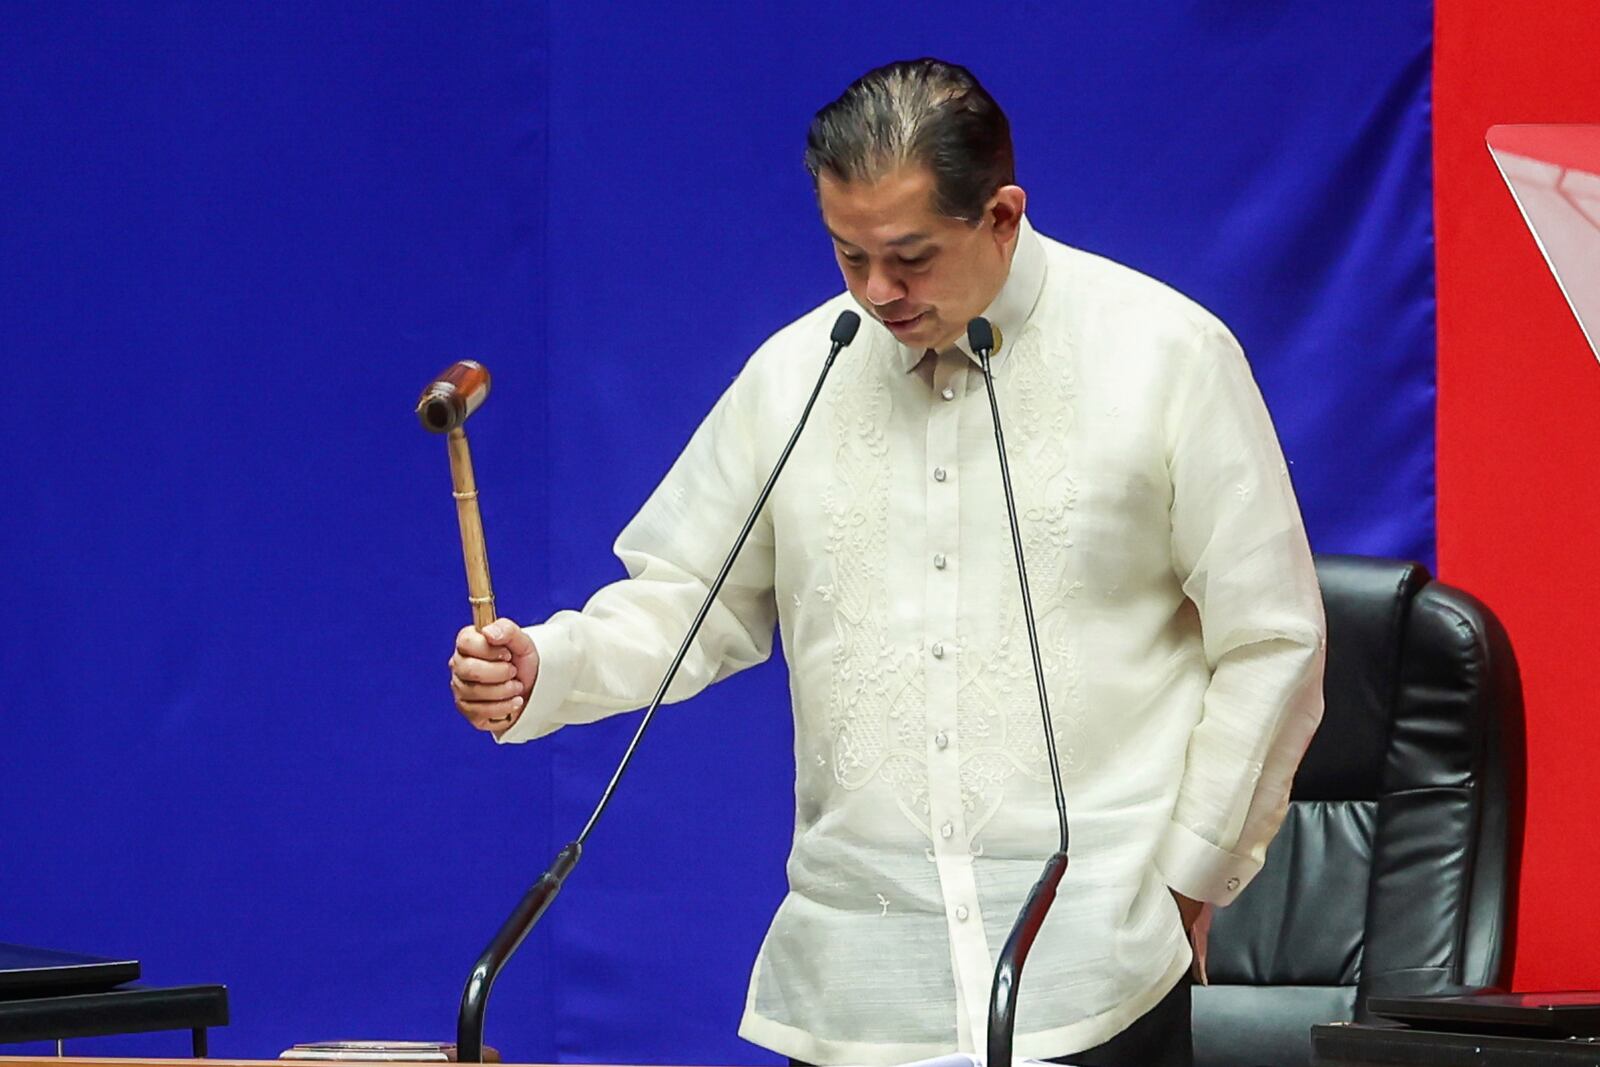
89, 1061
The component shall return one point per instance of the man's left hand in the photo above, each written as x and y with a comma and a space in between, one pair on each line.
1196, 918
1189, 910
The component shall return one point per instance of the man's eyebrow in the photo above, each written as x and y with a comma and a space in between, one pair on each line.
907, 239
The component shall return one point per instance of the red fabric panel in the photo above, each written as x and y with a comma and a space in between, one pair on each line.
1519, 436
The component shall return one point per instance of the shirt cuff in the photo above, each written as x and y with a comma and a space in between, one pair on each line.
558, 670
1200, 870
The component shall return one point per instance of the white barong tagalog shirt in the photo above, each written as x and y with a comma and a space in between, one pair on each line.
1178, 614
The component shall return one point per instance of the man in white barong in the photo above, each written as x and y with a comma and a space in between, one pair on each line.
1178, 611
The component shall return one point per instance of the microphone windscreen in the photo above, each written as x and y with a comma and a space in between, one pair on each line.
844, 328
980, 335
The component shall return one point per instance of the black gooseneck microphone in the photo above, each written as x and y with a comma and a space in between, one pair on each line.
475, 998
1008, 972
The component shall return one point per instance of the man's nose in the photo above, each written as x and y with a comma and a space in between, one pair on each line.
883, 288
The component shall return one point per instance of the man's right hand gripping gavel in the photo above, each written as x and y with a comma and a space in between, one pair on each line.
491, 674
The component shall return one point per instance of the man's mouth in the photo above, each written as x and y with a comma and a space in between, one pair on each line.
901, 325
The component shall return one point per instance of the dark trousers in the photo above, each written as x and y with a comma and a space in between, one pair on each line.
1158, 1038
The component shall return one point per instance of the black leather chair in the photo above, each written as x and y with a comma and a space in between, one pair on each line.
1394, 869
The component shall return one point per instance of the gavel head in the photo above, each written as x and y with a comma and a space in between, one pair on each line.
450, 399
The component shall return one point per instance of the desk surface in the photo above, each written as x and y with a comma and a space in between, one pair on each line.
89, 1061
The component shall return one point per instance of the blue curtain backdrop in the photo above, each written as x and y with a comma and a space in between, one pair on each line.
236, 239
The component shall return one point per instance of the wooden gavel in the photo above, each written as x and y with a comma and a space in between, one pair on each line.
446, 404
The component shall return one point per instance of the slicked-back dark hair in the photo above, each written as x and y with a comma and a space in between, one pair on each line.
923, 112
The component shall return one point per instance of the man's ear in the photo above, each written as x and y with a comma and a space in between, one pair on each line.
1005, 211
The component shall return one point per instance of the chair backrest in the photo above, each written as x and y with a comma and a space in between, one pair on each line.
1392, 873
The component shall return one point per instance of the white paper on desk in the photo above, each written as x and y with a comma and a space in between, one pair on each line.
967, 1059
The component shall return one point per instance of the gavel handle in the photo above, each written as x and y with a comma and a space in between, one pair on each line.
480, 594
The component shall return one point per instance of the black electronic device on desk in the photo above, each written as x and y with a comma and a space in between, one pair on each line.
47, 995
43, 972
1483, 1030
